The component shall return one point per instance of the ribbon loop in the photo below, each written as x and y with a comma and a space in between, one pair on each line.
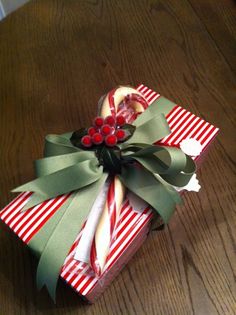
58, 145
65, 180
183, 177
55, 163
147, 187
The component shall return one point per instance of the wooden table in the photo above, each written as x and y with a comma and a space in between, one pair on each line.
56, 59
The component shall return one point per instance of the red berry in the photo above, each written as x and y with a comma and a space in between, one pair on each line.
98, 121
120, 120
111, 140
106, 130
110, 120
91, 131
97, 138
86, 141
120, 134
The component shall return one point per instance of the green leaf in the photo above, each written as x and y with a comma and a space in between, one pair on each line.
110, 159
130, 129
77, 136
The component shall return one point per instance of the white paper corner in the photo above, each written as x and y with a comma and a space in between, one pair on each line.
191, 147
193, 185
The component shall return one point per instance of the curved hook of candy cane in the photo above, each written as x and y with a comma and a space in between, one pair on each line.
116, 96
104, 234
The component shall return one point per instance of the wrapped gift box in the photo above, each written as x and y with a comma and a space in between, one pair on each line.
135, 218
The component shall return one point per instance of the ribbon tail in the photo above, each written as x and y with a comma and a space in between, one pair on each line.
145, 185
64, 234
40, 239
34, 200
161, 106
150, 131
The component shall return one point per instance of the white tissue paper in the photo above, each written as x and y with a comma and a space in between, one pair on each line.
84, 247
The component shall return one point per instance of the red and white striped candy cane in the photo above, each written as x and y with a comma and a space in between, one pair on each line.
128, 102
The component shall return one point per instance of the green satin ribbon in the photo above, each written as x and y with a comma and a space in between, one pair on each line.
150, 171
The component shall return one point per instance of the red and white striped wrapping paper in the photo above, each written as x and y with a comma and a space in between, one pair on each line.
131, 229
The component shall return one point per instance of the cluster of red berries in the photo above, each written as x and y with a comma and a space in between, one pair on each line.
105, 130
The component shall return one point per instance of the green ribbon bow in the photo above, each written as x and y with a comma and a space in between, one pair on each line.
149, 171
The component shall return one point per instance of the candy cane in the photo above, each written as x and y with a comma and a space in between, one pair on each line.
128, 102
115, 97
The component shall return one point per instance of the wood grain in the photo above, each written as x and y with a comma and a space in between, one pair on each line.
56, 59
